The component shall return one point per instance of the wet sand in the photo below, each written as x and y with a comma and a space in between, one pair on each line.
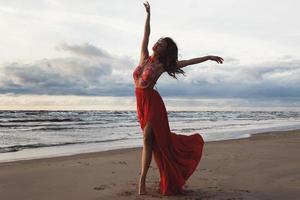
265, 166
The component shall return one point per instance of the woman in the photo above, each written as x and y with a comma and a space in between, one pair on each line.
176, 156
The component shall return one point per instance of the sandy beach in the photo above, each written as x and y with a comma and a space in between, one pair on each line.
264, 166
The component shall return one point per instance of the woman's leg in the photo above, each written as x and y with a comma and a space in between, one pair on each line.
146, 156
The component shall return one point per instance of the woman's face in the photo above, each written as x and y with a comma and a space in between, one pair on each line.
159, 46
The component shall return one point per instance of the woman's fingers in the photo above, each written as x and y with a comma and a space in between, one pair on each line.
218, 59
221, 60
147, 6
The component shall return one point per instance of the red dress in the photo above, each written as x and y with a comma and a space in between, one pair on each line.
176, 156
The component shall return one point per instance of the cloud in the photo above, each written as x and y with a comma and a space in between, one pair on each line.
93, 71
85, 50
279, 78
89, 71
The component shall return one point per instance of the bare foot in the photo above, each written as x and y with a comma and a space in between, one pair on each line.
142, 186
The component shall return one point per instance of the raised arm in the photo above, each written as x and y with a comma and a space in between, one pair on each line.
184, 63
144, 48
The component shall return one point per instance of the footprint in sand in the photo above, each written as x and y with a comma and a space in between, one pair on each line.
101, 187
119, 162
125, 193
241, 190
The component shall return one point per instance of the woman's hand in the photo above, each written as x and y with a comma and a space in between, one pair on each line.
147, 6
216, 58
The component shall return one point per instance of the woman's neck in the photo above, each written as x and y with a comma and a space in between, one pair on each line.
154, 57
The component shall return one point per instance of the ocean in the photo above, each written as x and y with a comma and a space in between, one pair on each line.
40, 134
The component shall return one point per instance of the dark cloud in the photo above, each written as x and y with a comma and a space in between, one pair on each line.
85, 50
90, 71
93, 71
274, 79
229, 90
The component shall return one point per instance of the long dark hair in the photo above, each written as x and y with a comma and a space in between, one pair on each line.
169, 58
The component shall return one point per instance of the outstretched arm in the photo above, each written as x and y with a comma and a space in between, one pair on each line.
184, 63
144, 49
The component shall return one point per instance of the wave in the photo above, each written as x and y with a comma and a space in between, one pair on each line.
58, 127
16, 148
42, 120
210, 127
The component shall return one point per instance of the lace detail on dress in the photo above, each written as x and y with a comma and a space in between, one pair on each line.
146, 72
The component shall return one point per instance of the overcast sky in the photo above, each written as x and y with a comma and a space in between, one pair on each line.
90, 48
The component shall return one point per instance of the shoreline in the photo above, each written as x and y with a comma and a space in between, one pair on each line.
124, 148
263, 166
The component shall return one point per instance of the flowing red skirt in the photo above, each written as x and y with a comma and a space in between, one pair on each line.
176, 156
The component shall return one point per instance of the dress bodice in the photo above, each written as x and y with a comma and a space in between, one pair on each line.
147, 72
